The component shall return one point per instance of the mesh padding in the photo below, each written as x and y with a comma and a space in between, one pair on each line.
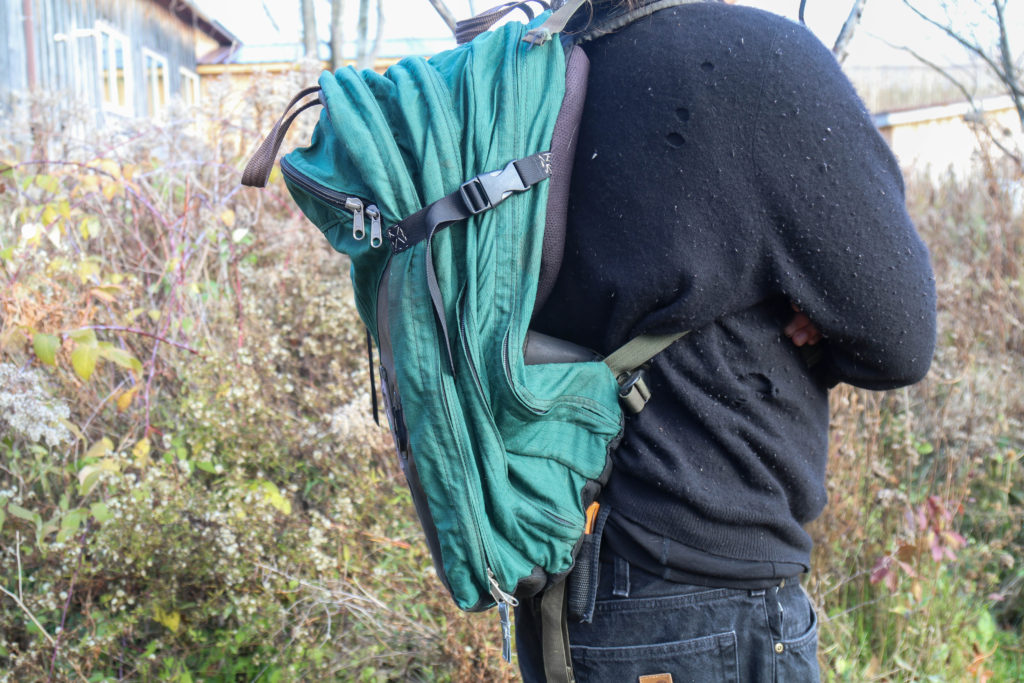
563, 151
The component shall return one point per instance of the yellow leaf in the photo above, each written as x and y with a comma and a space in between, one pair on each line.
273, 496
172, 619
154, 314
89, 183
102, 294
83, 360
49, 215
87, 269
111, 189
141, 453
124, 400
110, 167
227, 217
102, 447
88, 227
64, 208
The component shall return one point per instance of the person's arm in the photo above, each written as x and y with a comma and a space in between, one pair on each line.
843, 248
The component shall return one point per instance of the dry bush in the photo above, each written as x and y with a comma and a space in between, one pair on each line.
191, 484
917, 554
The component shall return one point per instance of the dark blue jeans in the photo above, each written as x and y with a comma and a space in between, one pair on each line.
645, 626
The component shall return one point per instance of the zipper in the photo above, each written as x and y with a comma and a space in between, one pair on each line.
376, 234
339, 200
355, 205
504, 601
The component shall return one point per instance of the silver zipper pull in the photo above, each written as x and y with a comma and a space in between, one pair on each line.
376, 235
504, 600
358, 226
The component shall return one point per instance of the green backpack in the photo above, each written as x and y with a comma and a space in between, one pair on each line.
445, 181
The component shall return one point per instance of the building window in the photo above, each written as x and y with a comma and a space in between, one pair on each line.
158, 87
189, 89
115, 69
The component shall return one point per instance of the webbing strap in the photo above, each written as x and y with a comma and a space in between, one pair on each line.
468, 29
638, 351
621, 20
476, 195
554, 634
257, 171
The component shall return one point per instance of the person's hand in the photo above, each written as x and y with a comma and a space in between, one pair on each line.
801, 330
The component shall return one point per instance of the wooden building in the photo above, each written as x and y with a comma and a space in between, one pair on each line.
123, 58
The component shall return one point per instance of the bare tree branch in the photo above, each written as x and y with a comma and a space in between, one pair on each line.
973, 48
445, 13
942, 71
1012, 77
1001, 64
840, 49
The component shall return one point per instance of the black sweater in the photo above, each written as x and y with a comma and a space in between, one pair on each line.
725, 171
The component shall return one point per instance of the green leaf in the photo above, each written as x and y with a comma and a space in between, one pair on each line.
48, 183
206, 466
83, 360
45, 346
120, 357
21, 513
85, 335
986, 628
100, 512
69, 524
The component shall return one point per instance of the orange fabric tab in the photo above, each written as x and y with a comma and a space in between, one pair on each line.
591, 518
656, 678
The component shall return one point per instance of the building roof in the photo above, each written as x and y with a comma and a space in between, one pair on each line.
916, 115
189, 13
291, 52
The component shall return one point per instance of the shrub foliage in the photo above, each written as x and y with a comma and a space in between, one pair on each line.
192, 486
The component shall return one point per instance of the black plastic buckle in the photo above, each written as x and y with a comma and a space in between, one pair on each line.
487, 190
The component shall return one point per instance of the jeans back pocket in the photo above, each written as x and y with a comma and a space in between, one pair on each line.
709, 659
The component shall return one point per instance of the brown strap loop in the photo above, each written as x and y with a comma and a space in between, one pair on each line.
468, 29
257, 171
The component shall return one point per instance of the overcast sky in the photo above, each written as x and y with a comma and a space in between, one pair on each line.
274, 21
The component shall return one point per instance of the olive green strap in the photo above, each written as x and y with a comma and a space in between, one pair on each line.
554, 634
625, 364
638, 351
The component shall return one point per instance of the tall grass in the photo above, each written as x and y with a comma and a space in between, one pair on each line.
917, 562
192, 487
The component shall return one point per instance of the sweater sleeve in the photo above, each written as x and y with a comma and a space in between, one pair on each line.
842, 245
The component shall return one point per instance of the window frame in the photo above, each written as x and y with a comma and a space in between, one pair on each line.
109, 97
152, 82
189, 82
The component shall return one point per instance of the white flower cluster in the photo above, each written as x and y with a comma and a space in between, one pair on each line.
27, 411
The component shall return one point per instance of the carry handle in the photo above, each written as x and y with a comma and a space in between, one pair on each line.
468, 29
257, 171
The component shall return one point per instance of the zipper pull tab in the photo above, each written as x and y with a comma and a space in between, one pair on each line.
358, 226
376, 235
504, 600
